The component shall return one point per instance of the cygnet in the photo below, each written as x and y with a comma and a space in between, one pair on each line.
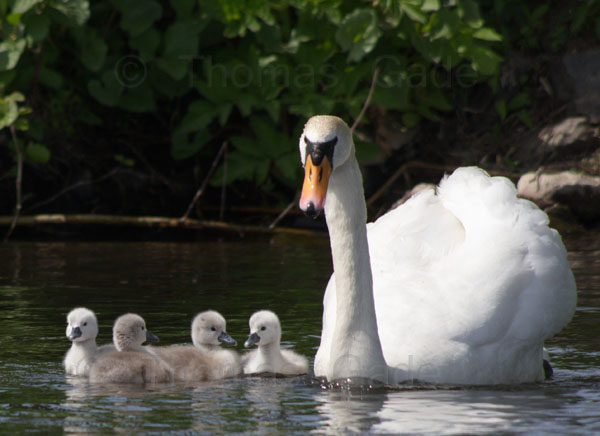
131, 363
206, 360
82, 329
265, 331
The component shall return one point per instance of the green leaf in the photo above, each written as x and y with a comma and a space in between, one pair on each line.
93, 50
500, 106
50, 78
108, 91
138, 99
37, 26
185, 144
410, 119
124, 160
358, 34
444, 24
199, 115
525, 118
146, 43
413, 12
183, 7
484, 60
37, 153
518, 101
10, 52
77, 12
138, 16
468, 11
9, 112
430, 5
22, 6
487, 34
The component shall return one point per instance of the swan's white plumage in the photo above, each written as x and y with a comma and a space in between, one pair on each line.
468, 280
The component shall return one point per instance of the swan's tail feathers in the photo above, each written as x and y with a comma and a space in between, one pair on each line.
548, 371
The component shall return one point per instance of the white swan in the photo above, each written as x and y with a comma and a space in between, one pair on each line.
206, 360
265, 331
82, 329
131, 363
458, 285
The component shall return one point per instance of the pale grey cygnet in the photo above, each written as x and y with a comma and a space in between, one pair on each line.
82, 329
132, 362
265, 332
206, 360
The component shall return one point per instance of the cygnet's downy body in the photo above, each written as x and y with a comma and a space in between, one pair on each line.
265, 331
206, 360
132, 362
82, 329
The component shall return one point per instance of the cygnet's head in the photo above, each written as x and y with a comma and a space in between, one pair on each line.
325, 144
130, 332
264, 329
81, 325
208, 329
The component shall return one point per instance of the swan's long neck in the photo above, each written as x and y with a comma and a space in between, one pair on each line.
356, 349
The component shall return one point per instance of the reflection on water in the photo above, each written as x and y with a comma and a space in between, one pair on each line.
167, 283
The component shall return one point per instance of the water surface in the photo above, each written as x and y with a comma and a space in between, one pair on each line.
168, 283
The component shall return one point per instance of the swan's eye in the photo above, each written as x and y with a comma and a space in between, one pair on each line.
213, 329
263, 328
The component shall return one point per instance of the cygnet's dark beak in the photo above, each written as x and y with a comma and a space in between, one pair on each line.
252, 339
226, 339
75, 333
150, 337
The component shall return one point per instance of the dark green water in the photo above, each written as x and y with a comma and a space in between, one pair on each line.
167, 283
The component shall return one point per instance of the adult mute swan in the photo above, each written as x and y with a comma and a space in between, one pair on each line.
458, 285
82, 329
132, 362
265, 331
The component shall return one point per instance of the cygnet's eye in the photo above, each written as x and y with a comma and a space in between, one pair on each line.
213, 329
143, 328
263, 328
84, 324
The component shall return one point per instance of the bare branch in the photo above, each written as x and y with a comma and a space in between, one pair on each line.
212, 169
18, 183
367, 101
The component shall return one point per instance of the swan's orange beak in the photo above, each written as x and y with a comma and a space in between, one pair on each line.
314, 189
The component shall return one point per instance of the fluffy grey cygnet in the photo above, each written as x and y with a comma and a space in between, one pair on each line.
265, 331
131, 363
206, 360
82, 329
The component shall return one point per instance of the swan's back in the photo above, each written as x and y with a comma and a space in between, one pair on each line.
468, 283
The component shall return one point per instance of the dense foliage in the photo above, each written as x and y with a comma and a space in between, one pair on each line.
194, 73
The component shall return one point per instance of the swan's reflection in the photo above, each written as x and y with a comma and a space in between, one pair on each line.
349, 412
415, 411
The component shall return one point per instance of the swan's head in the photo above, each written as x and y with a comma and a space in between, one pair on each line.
130, 332
264, 329
208, 328
325, 145
81, 325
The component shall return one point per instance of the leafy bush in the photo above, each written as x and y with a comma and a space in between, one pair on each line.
252, 71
